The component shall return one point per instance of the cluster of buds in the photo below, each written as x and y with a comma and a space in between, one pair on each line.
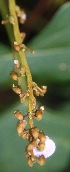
39, 91
40, 146
35, 137
18, 75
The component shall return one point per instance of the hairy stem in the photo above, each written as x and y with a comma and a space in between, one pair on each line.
12, 9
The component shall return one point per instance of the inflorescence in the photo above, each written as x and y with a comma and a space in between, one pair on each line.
39, 145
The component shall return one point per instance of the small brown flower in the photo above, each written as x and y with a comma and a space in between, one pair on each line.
13, 75
38, 114
16, 89
42, 137
34, 132
41, 146
23, 35
16, 46
25, 134
22, 97
30, 163
18, 115
21, 126
30, 147
41, 160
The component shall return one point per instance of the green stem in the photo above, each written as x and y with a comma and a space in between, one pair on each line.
12, 7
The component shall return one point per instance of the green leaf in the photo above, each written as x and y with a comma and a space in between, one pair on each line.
12, 148
50, 66
6, 66
57, 33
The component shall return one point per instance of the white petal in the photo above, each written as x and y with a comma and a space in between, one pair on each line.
23, 16
49, 148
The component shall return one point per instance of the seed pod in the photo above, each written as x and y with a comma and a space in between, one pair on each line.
34, 132
42, 137
13, 75
41, 160
30, 163
16, 89
41, 146
18, 115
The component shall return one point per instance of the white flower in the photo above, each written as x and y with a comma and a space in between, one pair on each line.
49, 149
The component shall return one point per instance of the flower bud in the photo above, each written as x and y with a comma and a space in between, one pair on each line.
41, 146
33, 159
30, 147
42, 108
38, 114
42, 137
30, 163
25, 135
16, 46
20, 126
14, 76
34, 132
16, 89
18, 115
36, 92
23, 35
22, 97
44, 88
41, 160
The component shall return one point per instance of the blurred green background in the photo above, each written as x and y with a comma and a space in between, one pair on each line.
48, 34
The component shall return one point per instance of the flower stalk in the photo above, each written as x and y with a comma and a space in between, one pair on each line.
17, 37
40, 146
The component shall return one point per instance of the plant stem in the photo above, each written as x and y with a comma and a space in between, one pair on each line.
12, 9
